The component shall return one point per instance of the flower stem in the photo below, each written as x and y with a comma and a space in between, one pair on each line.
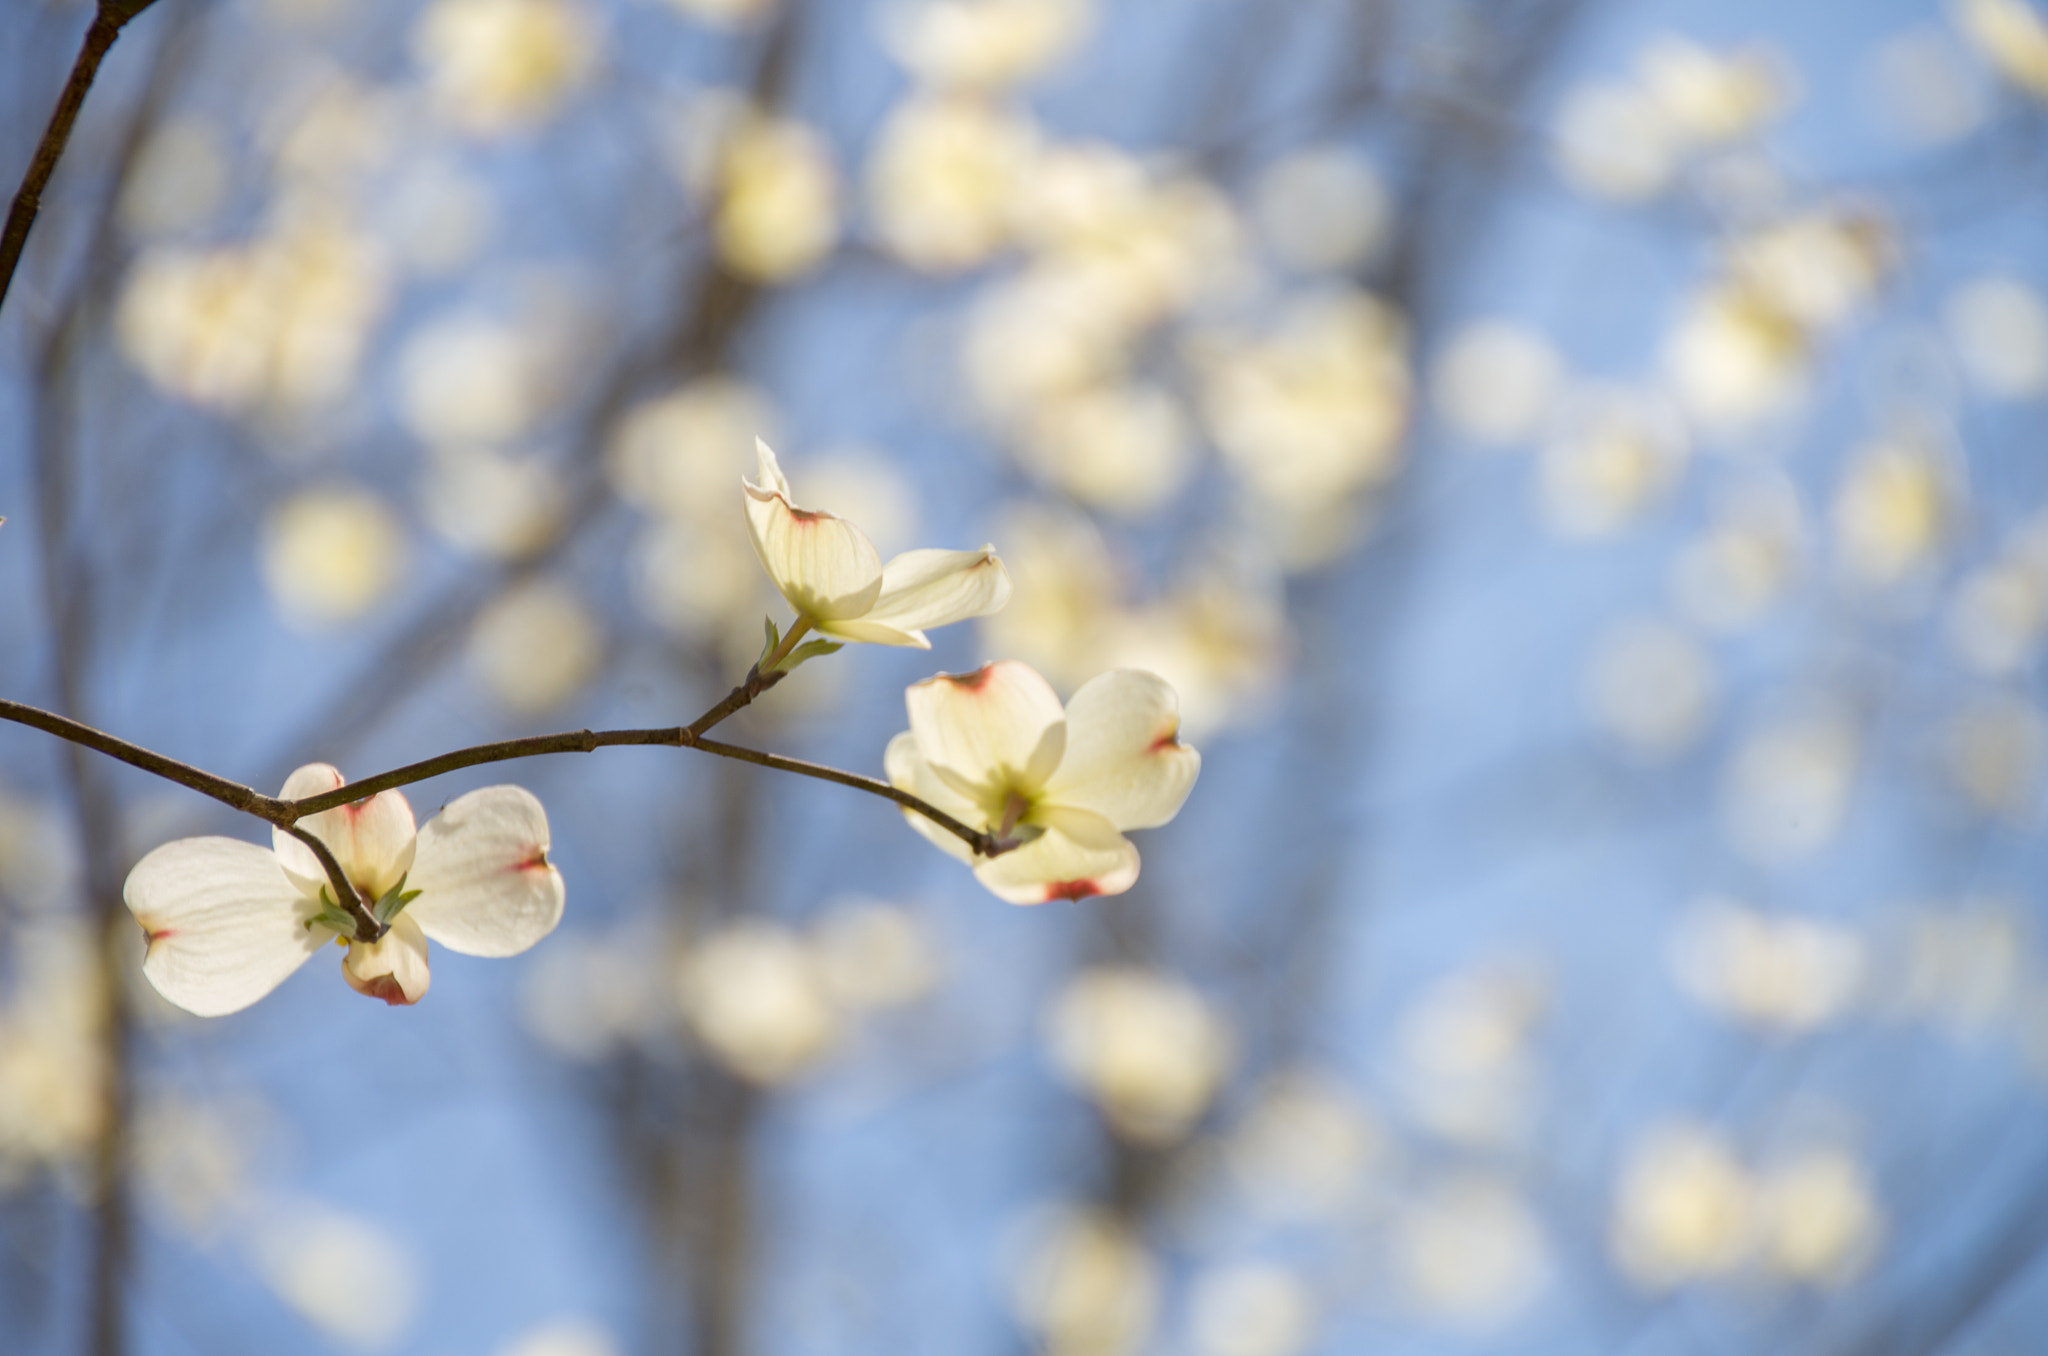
797, 630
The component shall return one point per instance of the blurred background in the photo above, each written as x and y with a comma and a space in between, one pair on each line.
1579, 462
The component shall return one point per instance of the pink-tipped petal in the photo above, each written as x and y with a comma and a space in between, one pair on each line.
823, 565
1124, 758
393, 968
224, 923
486, 885
1079, 854
988, 734
923, 589
372, 838
908, 771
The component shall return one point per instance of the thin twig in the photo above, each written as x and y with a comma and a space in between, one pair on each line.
984, 844
286, 814
531, 746
232, 794
28, 199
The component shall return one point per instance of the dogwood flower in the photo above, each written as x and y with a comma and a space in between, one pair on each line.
228, 921
829, 572
994, 749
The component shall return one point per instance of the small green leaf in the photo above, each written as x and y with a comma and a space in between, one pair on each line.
393, 903
774, 639
810, 649
331, 918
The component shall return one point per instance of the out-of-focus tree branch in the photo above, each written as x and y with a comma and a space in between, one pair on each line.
106, 26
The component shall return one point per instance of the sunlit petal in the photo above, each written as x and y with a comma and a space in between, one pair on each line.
393, 968
936, 588
1124, 759
486, 885
1079, 854
875, 633
772, 479
825, 566
225, 925
989, 733
908, 771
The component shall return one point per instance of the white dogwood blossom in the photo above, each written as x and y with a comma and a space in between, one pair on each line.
228, 921
829, 571
994, 749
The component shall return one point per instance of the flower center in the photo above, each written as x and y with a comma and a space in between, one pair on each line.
1015, 807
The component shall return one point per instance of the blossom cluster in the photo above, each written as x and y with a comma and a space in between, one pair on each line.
1049, 789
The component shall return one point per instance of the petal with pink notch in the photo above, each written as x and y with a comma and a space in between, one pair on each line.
1124, 757
393, 968
486, 885
1079, 854
225, 924
823, 565
922, 589
371, 838
990, 733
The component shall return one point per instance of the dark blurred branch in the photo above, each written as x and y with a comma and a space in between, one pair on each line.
28, 199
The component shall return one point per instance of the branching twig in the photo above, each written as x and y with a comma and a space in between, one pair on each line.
28, 199
286, 814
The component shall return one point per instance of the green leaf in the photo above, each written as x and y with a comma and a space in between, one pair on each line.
774, 639
394, 902
810, 649
331, 917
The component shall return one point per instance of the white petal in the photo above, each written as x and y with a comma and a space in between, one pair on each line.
372, 839
1079, 854
989, 733
772, 479
922, 589
1124, 759
486, 885
874, 633
225, 924
393, 968
908, 771
825, 566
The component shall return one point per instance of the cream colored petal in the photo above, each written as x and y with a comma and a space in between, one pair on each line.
1079, 854
908, 771
873, 633
1124, 759
989, 733
923, 589
486, 885
772, 479
823, 565
372, 839
393, 968
225, 925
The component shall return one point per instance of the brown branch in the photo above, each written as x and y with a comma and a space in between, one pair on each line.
231, 794
984, 844
286, 814
28, 199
